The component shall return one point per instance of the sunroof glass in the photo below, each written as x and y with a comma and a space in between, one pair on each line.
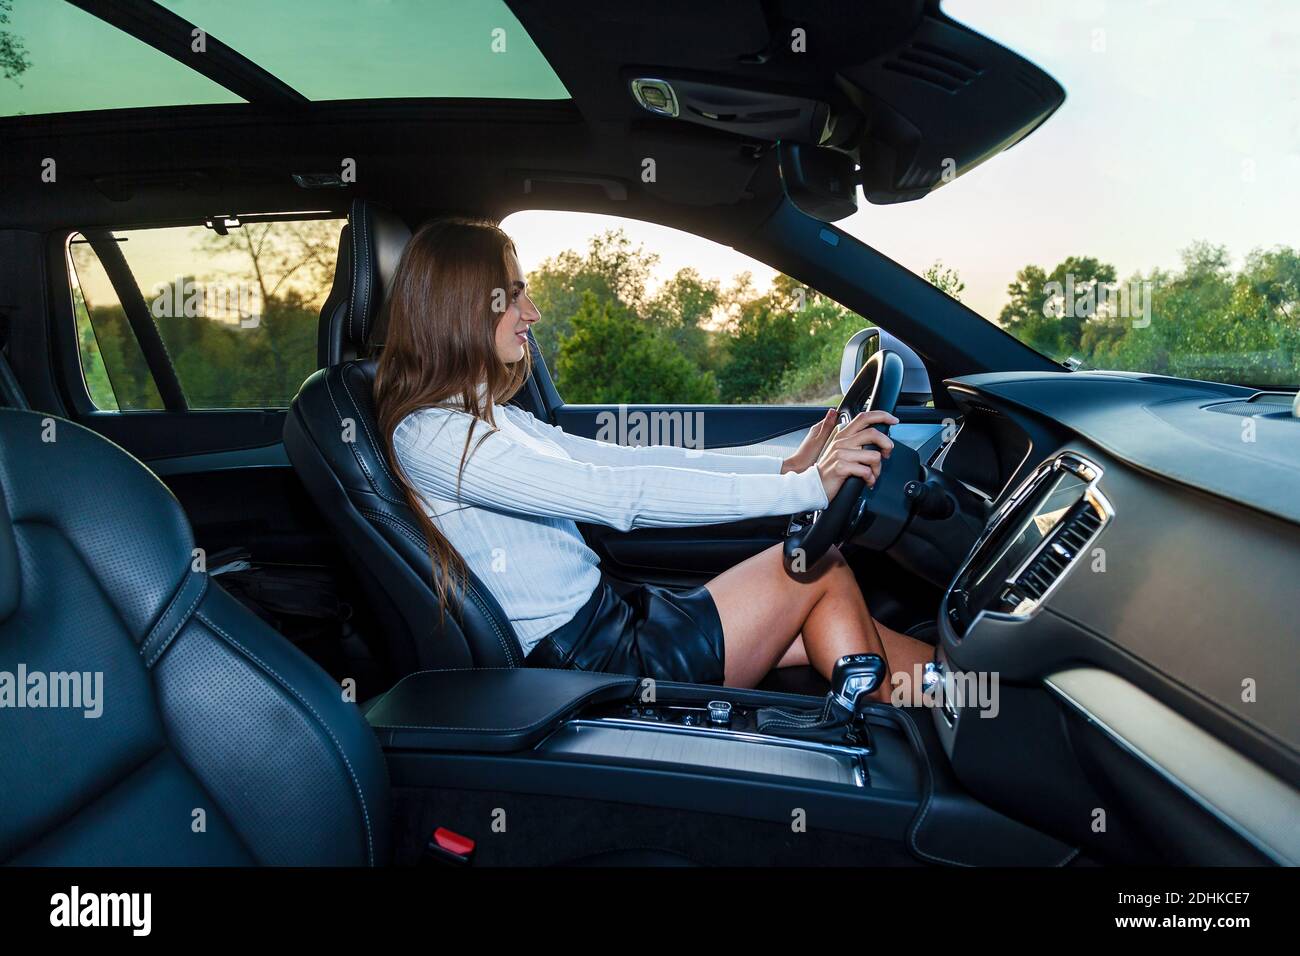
366, 49
55, 58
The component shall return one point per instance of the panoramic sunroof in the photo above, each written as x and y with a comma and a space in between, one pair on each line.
55, 58
366, 49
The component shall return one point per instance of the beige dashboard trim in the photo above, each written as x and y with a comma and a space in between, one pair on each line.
1261, 808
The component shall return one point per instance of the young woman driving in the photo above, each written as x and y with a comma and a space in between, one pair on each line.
499, 491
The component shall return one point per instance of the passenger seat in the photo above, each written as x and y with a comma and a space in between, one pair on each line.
147, 718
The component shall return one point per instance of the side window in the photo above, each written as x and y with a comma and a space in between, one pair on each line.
117, 377
236, 312
640, 313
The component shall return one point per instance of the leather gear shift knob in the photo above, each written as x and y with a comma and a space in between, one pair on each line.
856, 675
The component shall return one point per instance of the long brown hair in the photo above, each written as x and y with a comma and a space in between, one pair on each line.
449, 292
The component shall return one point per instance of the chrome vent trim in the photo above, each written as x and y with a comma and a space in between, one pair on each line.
1038, 576
1058, 553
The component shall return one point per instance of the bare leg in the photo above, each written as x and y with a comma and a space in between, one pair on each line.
902, 653
763, 611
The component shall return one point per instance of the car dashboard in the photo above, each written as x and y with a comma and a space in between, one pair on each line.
1126, 597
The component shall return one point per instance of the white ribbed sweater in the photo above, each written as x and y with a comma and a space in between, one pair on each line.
527, 484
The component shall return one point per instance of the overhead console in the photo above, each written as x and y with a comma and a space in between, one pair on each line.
1032, 542
900, 100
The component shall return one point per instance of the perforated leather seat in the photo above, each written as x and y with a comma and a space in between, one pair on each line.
333, 440
193, 733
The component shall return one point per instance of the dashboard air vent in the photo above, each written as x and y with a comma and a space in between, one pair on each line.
1036, 536
1066, 543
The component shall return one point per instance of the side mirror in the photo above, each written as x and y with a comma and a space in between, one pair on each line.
820, 182
862, 345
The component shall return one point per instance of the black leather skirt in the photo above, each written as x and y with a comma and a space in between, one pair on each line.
648, 631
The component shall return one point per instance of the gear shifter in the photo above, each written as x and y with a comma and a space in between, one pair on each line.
840, 719
855, 675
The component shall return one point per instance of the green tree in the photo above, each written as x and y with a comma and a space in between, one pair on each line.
944, 279
1201, 321
13, 52
1048, 310
611, 357
611, 268
681, 307
764, 344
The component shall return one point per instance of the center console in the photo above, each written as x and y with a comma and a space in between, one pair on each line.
785, 778
716, 754
621, 720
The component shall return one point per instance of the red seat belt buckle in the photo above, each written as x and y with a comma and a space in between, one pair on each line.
449, 847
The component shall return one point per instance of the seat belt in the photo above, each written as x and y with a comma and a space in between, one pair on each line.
11, 393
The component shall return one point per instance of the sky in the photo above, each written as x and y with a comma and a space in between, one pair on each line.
1181, 122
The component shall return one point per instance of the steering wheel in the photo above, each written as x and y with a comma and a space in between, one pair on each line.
811, 533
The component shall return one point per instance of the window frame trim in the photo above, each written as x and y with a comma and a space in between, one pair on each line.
70, 375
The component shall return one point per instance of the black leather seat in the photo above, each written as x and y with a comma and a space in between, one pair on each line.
216, 741
332, 438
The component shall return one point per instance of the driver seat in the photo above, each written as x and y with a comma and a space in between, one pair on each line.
333, 441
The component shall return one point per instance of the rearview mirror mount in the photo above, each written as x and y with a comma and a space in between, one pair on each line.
820, 182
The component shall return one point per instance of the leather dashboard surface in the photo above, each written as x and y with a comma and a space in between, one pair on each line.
1167, 426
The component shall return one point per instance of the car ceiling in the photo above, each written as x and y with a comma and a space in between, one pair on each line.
146, 166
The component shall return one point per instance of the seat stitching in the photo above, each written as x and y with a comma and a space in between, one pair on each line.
176, 595
365, 813
367, 278
361, 463
914, 831
491, 618
352, 294
459, 670
383, 463
179, 624
793, 725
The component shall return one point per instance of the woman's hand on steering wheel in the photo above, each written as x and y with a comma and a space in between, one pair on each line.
805, 456
856, 449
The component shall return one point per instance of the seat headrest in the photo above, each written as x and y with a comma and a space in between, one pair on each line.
370, 246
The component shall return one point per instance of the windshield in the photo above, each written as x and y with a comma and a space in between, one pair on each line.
1153, 223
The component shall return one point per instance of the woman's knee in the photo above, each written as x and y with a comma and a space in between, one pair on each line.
834, 565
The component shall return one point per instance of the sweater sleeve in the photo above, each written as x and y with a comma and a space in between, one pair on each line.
608, 453
511, 476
